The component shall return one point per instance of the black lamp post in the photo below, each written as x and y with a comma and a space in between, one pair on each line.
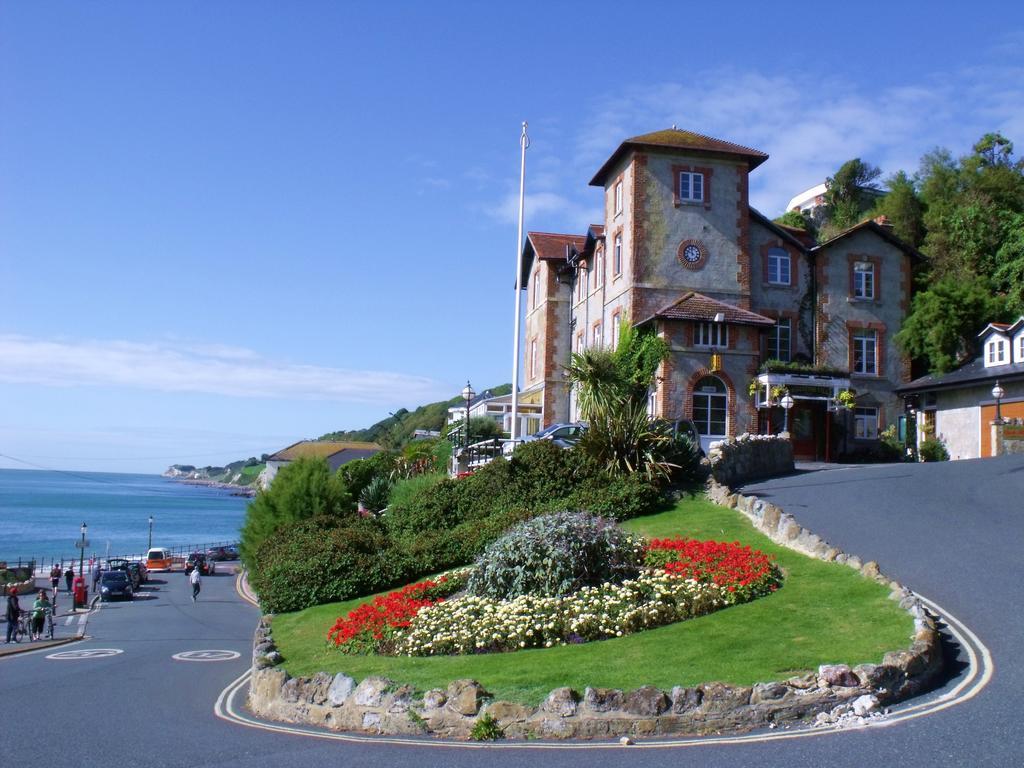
150, 532
468, 394
998, 393
81, 554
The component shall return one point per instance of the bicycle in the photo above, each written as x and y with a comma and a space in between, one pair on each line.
21, 630
48, 631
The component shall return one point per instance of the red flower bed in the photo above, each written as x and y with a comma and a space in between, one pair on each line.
368, 628
744, 572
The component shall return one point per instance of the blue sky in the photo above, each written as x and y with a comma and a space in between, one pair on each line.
228, 226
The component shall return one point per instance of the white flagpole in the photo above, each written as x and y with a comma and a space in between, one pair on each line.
524, 142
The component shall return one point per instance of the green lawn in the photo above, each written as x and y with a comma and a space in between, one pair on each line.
824, 613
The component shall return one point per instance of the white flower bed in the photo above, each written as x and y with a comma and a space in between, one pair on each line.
471, 624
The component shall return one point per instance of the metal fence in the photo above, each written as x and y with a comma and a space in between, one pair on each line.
43, 565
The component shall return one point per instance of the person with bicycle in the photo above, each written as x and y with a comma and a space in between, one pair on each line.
13, 613
41, 608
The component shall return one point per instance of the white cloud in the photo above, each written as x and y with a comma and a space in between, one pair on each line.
210, 369
808, 126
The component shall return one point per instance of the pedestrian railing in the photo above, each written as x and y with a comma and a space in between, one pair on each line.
43, 565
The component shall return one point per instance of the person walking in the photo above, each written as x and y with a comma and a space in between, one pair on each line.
13, 612
97, 574
69, 576
55, 576
196, 582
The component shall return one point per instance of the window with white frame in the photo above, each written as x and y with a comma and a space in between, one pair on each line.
595, 338
691, 187
779, 337
618, 197
1020, 348
996, 352
865, 423
583, 283
536, 288
616, 321
778, 266
617, 255
581, 341
599, 268
711, 335
863, 280
865, 352
533, 359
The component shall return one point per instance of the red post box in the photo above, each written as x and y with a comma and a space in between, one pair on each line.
81, 592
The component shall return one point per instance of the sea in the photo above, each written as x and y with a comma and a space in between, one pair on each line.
41, 514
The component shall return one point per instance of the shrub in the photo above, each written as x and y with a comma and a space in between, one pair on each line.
554, 555
303, 489
933, 449
406, 490
322, 560
375, 495
616, 497
486, 728
358, 474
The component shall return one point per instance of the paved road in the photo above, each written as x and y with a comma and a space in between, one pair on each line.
952, 532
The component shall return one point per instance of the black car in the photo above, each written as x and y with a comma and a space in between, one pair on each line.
120, 564
201, 561
221, 554
116, 584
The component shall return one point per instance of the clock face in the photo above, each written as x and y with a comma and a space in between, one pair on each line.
692, 254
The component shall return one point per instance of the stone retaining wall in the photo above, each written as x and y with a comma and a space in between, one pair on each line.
737, 460
382, 706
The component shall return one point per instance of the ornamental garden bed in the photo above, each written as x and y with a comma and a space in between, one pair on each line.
824, 614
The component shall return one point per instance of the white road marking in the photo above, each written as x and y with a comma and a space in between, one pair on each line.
972, 684
85, 653
69, 620
213, 655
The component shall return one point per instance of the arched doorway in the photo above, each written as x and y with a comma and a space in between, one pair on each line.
710, 409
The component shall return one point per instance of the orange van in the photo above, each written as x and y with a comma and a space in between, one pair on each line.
158, 559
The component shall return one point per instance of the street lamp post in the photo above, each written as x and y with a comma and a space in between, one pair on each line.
998, 393
81, 553
467, 394
787, 403
150, 532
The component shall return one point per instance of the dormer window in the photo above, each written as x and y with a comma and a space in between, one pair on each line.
1020, 348
996, 352
691, 187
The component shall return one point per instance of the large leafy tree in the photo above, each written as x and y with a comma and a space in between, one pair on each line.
848, 196
945, 319
303, 489
902, 207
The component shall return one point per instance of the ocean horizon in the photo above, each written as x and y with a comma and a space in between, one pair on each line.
41, 513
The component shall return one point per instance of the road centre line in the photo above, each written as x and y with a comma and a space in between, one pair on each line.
972, 684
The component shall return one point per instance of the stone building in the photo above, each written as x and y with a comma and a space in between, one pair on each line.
681, 252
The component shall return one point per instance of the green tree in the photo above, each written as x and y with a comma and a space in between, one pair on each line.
302, 489
794, 219
902, 206
848, 195
1009, 273
945, 319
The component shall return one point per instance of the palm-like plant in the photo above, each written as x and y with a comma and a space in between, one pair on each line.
612, 387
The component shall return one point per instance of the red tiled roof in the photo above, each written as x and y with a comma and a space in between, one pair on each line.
548, 245
697, 306
674, 138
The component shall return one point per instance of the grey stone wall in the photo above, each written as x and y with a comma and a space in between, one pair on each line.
737, 460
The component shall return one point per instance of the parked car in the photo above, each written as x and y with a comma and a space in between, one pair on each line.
140, 570
159, 559
562, 435
116, 584
221, 554
120, 564
202, 562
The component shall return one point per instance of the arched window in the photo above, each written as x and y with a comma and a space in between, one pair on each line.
710, 406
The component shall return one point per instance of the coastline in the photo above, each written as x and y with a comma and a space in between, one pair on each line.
236, 490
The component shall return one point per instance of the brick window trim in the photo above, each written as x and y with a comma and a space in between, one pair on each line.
730, 390
876, 263
535, 286
594, 327
695, 265
793, 265
616, 314
879, 329
707, 171
617, 236
783, 314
